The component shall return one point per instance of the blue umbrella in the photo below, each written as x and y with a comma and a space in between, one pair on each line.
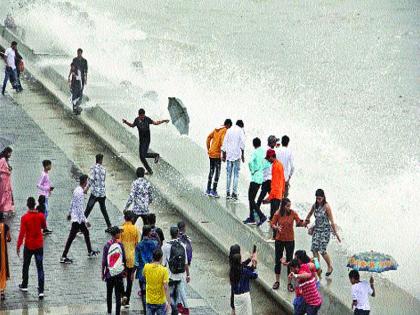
372, 262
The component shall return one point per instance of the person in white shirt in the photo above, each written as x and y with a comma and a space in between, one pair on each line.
177, 281
10, 73
285, 156
360, 291
232, 153
79, 221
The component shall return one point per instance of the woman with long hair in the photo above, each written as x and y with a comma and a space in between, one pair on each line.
4, 259
6, 193
283, 222
240, 277
324, 224
236, 249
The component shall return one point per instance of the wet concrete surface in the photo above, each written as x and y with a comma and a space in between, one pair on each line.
45, 131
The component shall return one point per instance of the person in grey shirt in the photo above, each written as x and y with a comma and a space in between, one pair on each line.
97, 185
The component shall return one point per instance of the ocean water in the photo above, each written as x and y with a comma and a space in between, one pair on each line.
340, 78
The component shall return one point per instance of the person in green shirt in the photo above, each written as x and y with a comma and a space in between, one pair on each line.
158, 300
256, 166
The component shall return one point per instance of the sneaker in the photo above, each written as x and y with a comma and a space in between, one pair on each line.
157, 157
22, 288
108, 230
262, 221
93, 254
208, 192
214, 194
65, 260
249, 221
234, 196
41, 295
228, 195
46, 231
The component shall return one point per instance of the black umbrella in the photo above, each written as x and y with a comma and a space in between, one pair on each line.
179, 115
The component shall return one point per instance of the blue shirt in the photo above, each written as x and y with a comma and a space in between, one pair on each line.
243, 286
256, 165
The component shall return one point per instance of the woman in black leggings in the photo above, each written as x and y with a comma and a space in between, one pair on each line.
282, 223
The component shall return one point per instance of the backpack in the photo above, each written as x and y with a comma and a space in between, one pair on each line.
177, 257
187, 242
115, 259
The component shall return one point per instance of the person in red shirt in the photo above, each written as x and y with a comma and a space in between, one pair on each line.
31, 225
282, 222
307, 288
277, 184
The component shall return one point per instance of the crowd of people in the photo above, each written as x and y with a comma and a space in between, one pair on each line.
271, 170
162, 268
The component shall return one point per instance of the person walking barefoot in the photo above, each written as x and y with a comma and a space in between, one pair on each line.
324, 223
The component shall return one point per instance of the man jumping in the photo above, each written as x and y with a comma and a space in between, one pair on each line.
142, 122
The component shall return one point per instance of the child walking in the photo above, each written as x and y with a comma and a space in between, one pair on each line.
360, 291
45, 188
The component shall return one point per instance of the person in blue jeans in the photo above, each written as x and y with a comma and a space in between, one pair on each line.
232, 153
10, 73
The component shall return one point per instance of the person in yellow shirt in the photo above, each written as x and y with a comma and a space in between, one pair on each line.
214, 145
129, 239
158, 300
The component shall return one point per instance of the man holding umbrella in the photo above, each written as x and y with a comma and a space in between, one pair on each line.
142, 122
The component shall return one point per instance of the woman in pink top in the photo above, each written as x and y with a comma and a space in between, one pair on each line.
6, 193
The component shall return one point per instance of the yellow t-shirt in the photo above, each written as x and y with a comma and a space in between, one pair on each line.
129, 239
156, 275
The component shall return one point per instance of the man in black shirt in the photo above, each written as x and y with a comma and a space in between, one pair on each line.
142, 122
82, 65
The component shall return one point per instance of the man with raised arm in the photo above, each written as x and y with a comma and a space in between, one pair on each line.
143, 122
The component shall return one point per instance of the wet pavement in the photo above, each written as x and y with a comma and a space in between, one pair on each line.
45, 131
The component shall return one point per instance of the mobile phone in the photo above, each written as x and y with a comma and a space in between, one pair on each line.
254, 249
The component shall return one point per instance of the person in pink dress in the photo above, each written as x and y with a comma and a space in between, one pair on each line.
6, 193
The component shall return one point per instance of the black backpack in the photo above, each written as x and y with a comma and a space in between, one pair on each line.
177, 258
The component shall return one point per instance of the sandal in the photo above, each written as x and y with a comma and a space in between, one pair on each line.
328, 273
276, 285
2, 296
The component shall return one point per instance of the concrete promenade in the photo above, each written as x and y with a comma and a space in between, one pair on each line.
41, 127
69, 289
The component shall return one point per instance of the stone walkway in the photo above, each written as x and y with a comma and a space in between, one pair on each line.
69, 289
